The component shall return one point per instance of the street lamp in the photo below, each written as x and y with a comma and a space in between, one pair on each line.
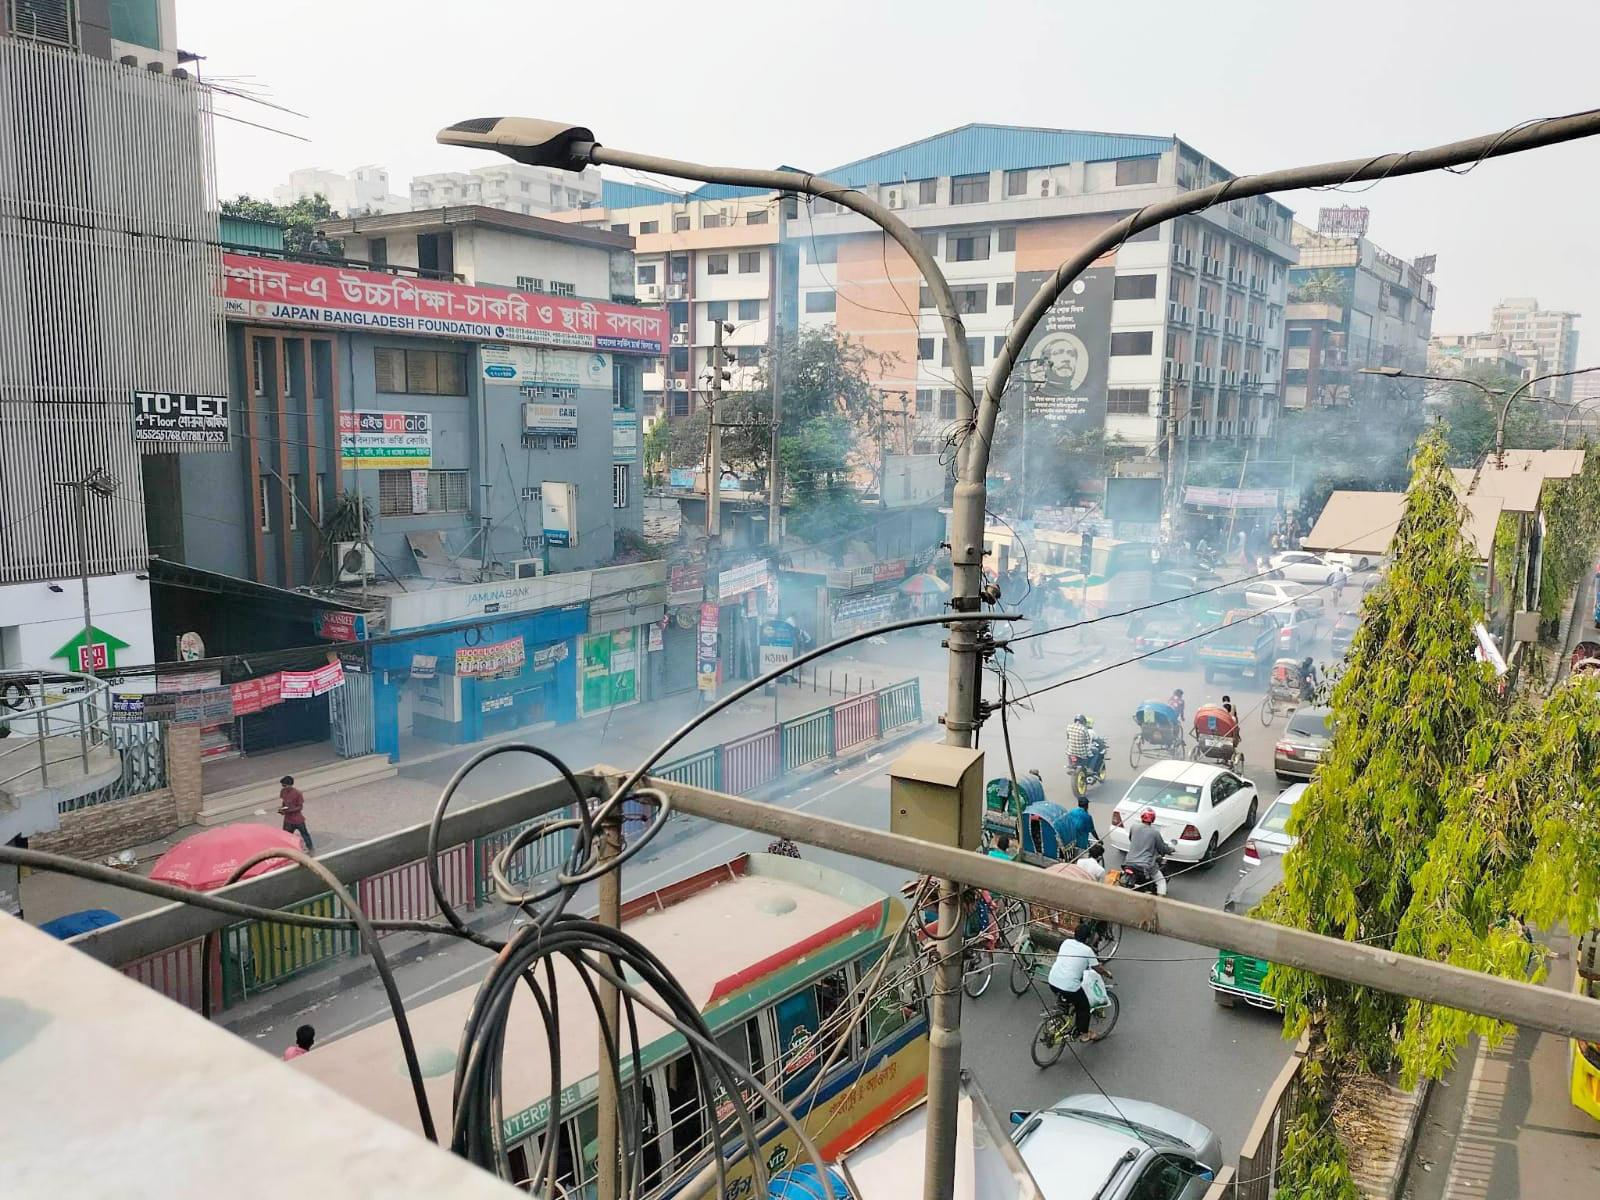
101, 483
572, 148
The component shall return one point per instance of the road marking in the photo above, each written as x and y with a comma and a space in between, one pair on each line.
478, 968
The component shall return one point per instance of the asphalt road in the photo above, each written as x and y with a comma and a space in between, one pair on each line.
1173, 1044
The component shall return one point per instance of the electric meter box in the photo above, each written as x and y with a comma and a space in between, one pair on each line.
936, 794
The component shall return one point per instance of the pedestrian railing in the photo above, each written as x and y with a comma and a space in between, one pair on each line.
255, 956
51, 724
1262, 1152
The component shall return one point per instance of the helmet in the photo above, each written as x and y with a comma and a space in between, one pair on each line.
1177, 691
1080, 719
1148, 816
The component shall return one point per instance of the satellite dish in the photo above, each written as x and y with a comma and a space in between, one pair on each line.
353, 561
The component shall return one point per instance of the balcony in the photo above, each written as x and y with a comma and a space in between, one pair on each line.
1182, 256
1180, 314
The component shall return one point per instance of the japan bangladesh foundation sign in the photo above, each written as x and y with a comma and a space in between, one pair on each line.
1064, 363
369, 438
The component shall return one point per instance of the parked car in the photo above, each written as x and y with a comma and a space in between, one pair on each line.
1272, 593
1246, 645
1306, 738
1235, 976
1099, 1147
1198, 806
1160, 633
1271, 834
1301, 566
1344, 632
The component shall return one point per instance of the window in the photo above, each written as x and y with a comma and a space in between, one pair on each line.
680, 222
324, 501
924, 401
717, 310
749, 262
557, 288
294, 503
1003, 294
756, 216
378, 251
1130, 401
822, 250
749, 310
266, 505
647, 274
747, 356
716, 264
436, 253
1007, 238
925, 297
1297, 337
820, 302
619, 485
971, 299
947, 404
927, 191
447, 493
1134, 287
712, 221
1123, 344
969, 189
970, 248
1016, 183
930, 239
680, 358
1153, 234
529, 283
620, 227
136, 21
974, 352
924, 349
1136, 170
419, 372
649, 227
997, 344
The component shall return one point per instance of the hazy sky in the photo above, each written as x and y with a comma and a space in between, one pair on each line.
1256, 84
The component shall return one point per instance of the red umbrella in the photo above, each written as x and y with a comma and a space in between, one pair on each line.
204, 862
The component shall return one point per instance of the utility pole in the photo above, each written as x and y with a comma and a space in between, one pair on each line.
774, 478
607, 1103
714, 442
1022, 482
98, 480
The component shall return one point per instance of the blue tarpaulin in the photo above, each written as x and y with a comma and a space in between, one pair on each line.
73, 924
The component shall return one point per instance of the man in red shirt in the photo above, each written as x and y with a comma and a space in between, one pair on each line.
303, 1038
292, 804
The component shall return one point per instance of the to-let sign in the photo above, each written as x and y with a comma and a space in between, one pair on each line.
180, 417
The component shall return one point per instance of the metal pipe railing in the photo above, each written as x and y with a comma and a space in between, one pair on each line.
90, 718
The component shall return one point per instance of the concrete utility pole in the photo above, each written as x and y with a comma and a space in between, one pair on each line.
100, 481
606, 1103
714, 442
774, 470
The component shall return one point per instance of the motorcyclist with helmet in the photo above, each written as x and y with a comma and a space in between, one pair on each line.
1146, 849
1084, 747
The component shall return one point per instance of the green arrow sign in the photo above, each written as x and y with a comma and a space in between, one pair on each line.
102, 648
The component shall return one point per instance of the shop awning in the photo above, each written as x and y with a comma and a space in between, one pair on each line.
196, 579
1365, 522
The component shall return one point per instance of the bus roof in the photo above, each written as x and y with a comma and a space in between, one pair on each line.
724, 934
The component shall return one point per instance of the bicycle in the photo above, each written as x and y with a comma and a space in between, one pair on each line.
1055, 1027
982, 934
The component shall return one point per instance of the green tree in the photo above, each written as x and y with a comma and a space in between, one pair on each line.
656, 441
1060, 463
1470, 418
299, 220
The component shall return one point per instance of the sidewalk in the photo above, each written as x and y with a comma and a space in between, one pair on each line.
1508, 1127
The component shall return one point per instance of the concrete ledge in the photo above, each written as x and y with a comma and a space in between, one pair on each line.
221, 807
106, 828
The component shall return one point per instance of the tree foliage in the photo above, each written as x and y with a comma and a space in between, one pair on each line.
299, 220
1060, 464
1470, 417
1572, 527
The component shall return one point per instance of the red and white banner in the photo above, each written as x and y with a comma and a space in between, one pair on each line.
497, 658
303, 685
294, 293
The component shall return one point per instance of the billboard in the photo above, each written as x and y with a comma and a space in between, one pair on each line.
1343, 221
310, 294
1131, 499
1064, 361
368, 438
558, 504
181, 417
539, 367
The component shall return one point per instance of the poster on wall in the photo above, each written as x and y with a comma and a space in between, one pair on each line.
538, 367
706, 647
370, 438
558, 503
608, 670
624, 436
777, 644
1065, 361
494, 659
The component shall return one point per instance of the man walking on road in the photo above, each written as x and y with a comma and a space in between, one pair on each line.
292, 804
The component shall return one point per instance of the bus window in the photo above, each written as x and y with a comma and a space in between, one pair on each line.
797, 1030
583, 1132
894, 1000
833, 994
647, 1120
683, 1111
518, 1155
742, 1043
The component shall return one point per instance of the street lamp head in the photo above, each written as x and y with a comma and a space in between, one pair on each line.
525, 140
1386, 372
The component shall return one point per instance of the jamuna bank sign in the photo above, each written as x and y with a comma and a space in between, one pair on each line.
293, 293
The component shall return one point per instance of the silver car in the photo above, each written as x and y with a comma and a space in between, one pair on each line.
1096, 1147
1271, 835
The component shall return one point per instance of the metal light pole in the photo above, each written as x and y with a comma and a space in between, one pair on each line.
101, 482
572, 148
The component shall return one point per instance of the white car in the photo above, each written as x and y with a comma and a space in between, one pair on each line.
1099, 1147
1271, 593
1301, 566
1271, 834
1198, 806
1352, 562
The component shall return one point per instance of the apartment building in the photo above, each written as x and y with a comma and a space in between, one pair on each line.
1352, 304
1545, 340
510, 187
355, 193
716, 254
1184, 319
1459, 353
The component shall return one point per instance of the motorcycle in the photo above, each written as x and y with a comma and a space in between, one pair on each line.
1088, 770
1151, 887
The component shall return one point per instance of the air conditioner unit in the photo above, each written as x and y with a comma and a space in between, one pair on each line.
649, 291
355, 561
680, 339
528, 568
893, 198
675, 291
1188, 257
1044, 186
680, 385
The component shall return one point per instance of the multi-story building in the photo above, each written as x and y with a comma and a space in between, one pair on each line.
1545, 340
708, 256
1352, 304
1455, 353
510, 187
1185, 319
361, 192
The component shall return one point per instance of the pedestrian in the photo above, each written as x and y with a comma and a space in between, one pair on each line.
292, 804
1001, 847
303, 1038
1340, 578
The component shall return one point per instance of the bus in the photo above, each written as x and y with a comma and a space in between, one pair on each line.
771, 948
1121, 573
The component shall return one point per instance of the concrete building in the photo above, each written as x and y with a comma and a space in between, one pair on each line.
1459, 353
1352, 304
1186, 318
714, 254
1545, 340
360, 192
510, 187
